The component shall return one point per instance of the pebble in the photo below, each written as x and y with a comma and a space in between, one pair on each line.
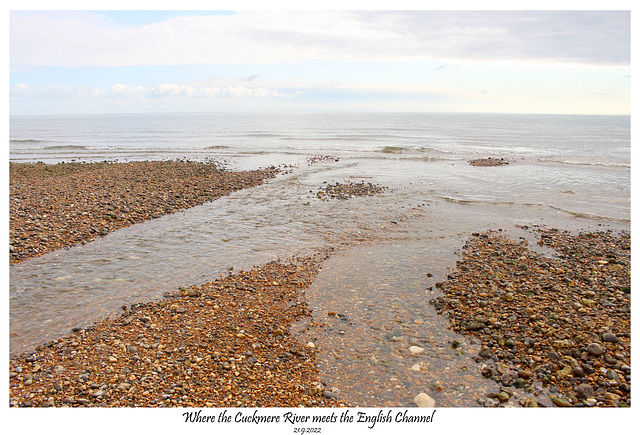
57, 206
584, 391
475, 326
541, 327
423, 400
488, 162
348, 190
416, 350
595, 349
195, 359
330, 395
561, 402
525, 374
485, 352
503, 396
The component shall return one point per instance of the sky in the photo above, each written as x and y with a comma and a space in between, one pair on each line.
147, 61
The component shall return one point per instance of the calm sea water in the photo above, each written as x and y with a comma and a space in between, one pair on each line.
578, 164
569, 172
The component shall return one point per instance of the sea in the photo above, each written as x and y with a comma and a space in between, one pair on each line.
570, 172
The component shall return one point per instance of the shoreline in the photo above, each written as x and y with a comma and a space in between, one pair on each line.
227, 343
58, 206
222, 344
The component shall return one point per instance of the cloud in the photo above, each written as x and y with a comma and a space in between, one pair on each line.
74, 39
166, 90
252, 77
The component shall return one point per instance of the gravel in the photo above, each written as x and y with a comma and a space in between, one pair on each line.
559, 325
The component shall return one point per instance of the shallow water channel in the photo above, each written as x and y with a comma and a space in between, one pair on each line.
77, 286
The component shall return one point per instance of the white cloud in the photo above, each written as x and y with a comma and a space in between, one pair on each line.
73, 39
127, 91
165, 90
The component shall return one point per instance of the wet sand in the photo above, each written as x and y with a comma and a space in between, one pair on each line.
228, 343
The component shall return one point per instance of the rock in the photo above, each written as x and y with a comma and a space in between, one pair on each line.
525, 374
563, 344
561, 402
510, 343
584, 391
485, 352
476, 326
190, 292
503, 396
424, 401
609, 338
531, 403
611, 374
596, 349
416, 350
329, 395
565, 372
611, 397
316, 389
487, 372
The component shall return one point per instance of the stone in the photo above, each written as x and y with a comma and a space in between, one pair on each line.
416, 350
510, 343
329, 395
525, 374
596, 349
424, 401
190, 292
485, 352
565, 372
611, 374
503, 396
476, 326
584, 391
611, 396
561, 402
609, 338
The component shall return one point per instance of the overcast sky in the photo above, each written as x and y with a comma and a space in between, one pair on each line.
461, 61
